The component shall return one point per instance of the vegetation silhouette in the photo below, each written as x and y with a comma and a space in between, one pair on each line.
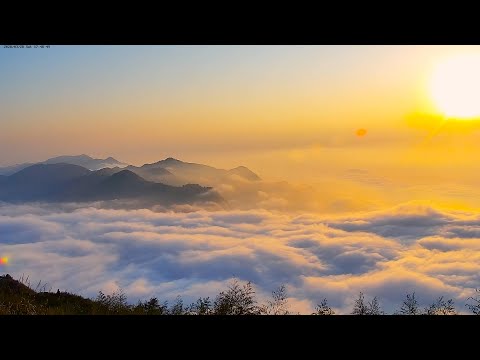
323, 308
360, 307
409, 306
19, 297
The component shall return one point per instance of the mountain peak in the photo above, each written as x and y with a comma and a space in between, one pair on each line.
171, 160
85, 161
245, 172
64, 158
126, 175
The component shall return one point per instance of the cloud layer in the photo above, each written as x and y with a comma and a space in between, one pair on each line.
195, 253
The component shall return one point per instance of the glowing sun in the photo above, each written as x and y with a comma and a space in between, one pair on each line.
455, 87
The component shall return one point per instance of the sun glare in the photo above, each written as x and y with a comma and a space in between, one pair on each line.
455, 87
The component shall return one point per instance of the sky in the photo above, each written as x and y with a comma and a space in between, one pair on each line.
368, 155
284, 111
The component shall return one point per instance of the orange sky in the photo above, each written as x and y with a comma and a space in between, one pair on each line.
288, 112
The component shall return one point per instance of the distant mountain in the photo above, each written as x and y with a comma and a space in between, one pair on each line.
159, 175
9, 170
73, 183
39, 181
86, 161
80, 160
169, 171
245, 173
156, 174
184, 172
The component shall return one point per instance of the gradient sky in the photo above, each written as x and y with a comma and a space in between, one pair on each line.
275, 109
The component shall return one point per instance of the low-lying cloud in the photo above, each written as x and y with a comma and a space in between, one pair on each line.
196, 252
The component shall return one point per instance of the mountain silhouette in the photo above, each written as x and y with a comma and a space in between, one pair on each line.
86, 161
169, 171
80, 160
73, 183
185, 172
159, 175
38, 181
9, 170
245, 173
155, 174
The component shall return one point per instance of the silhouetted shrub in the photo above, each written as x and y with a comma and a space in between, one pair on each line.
323, 309
441, 307
279, 303
475, 306
237, 300
203, 306
151, 307
116, 303
362, 308
177, 307
409, 306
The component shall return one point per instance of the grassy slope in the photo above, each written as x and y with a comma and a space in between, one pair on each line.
17, 298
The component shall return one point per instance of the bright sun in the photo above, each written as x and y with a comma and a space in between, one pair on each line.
455, 87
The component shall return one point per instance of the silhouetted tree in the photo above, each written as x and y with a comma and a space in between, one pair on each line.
371, 308
409, 306
203, 306
152, 307
237, 300
374, 307
475, 307
360, 308
115, 303
279, 303
323, 309
177, 307
441, 307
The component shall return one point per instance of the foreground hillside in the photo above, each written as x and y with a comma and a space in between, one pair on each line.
18, 297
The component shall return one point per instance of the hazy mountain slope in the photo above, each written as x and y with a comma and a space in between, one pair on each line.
185, 172
39, 181
86, 161
9, 170
168, 171
159, 175
80, 160
155, 174
72, 183
245, 173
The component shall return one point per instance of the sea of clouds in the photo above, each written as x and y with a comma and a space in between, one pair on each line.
193, 252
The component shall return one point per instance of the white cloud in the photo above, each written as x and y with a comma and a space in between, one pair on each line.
195, 253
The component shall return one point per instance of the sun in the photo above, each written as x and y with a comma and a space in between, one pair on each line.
455, 87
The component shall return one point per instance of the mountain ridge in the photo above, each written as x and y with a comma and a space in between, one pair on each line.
169, 171
73, 183
80, 160
185, 172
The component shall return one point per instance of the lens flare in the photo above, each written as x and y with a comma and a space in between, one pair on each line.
361, 132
